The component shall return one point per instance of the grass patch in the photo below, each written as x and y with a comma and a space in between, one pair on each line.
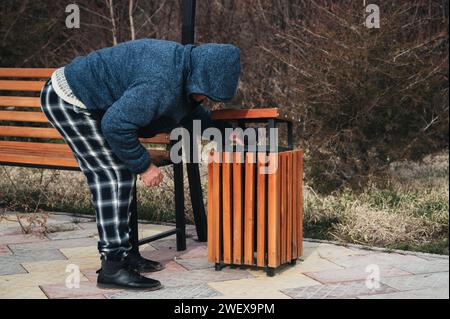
409, 211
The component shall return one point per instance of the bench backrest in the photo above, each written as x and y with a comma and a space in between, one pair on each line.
21, 118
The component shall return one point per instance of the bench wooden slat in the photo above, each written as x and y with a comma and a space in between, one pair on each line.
20, 101
43, 132
24, 131
8, 85
36, 148
20, 116
162, 138
37, 160
54, 154
26, 72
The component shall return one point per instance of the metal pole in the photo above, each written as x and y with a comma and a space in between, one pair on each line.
193, 172
188, 22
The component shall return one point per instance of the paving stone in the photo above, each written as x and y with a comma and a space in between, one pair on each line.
266, 294
22, 238
172, 266
197, 277
195, 252
35, 279
90, 274
430, 293
73, 234
11, 264
417, 282
171, 244
307, 243
86, 290
426, 266
332, 251
26, 248
180, 292
375, 258
194, 263
352, 274
146, 247
316, 264
38, 255
92, 226
10, 223
144, 233
80, 252
335, 291
17, 292
433, 257
88, 297
261, 286
158, 227
4, 250
162, 255
13, 230
60, 266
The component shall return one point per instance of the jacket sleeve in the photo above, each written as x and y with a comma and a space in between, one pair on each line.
136, 108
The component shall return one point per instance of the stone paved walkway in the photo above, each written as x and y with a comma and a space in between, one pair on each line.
38, 267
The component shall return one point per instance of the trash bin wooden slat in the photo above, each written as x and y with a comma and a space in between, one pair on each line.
237, 208
249, 209
226, 207
261, 211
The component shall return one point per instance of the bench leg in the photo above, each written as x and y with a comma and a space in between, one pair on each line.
134, 233
195, 188
179, 206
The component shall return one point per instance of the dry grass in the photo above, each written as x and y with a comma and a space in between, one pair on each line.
409, 211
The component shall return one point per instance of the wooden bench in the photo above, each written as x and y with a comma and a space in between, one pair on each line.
27, 139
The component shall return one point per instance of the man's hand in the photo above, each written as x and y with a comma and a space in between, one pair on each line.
152, 176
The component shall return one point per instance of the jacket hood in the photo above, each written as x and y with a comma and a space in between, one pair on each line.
214, 71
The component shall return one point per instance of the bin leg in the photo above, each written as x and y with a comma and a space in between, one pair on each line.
270, 271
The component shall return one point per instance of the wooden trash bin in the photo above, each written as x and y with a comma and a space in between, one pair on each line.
255, 216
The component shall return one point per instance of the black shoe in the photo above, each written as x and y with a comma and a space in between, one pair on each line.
140, 264
118, 274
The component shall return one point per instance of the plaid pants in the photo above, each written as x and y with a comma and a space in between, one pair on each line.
110, 182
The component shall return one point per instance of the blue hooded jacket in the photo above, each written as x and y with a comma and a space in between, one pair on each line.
135, 83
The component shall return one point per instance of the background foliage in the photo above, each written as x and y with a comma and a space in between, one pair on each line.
367, 97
